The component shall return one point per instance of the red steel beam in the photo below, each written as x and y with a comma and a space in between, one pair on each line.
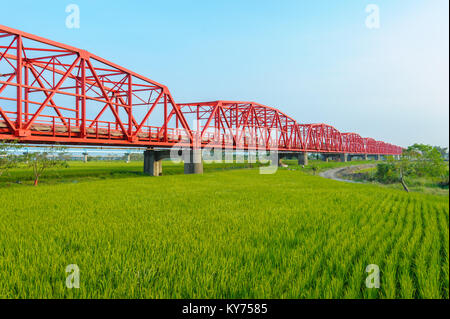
114, 106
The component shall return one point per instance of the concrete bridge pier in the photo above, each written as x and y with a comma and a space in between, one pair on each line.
303, 158
325, 157
357, 156
280, 162
153, 161
344, 157
193, 161
334, 156
366, 157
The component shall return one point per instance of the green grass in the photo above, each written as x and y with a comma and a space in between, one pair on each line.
322, 165
224, 234
92, 171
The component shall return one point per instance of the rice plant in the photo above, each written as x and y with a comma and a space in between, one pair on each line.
223, 234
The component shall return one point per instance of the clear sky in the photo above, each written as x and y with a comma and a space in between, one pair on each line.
314, 60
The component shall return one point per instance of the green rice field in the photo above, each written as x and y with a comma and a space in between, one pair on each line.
229, 233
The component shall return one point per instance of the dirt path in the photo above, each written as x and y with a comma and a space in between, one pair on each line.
336, 173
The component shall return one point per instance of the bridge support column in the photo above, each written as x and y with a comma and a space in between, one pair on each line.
153, 162
378, 157
344, 157
332, 156
152, 166
280, 161
303, 158
366, 157
193, 163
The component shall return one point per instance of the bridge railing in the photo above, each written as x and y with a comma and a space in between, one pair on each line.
69, 127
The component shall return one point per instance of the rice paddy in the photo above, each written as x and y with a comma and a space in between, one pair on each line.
223, 234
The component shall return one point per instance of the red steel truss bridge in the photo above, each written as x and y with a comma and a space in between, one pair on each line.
52, 93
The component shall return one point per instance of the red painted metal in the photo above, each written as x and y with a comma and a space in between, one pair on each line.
54, 93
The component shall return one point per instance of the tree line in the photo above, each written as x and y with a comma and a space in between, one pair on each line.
417, 161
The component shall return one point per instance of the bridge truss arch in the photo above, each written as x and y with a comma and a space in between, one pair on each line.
54, 93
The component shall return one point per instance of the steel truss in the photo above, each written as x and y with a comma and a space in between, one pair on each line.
52, 93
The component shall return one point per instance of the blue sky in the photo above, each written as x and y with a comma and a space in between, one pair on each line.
315, 60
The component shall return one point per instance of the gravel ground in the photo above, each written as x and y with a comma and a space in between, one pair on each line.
337, 173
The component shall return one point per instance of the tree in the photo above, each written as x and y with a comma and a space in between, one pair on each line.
418, 160
443, 151
41, 161
64, 156
136, 157
314, 168
426, 160
8, 159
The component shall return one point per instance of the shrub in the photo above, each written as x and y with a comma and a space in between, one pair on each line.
387, 173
